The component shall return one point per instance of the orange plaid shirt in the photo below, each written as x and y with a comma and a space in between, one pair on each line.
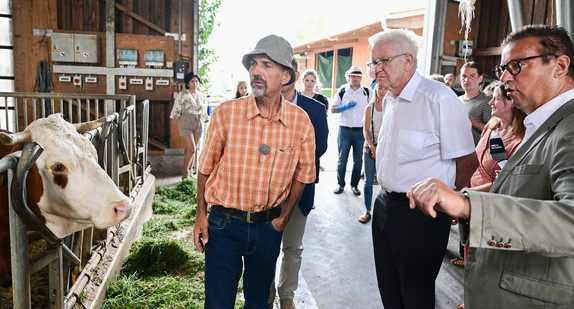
240, 176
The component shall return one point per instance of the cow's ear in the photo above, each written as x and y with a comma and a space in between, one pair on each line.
11, 139
87, 126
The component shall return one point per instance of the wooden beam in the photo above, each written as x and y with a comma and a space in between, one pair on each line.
323, 45
487, 51
140, 19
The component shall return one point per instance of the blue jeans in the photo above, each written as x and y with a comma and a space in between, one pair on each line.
346, 138
370, 171
235, 246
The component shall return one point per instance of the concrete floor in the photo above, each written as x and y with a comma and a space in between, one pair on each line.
338, 266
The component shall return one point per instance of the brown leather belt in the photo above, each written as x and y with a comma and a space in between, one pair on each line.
247, 216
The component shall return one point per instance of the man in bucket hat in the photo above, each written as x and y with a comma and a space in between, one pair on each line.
351, 100
259, 154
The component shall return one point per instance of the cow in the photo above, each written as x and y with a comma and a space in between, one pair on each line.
66, 188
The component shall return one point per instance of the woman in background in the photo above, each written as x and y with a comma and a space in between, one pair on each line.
371, 126
507, 124
189, 109
241, 89
310, 80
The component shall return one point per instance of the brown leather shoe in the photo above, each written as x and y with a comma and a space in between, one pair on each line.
366, 217
286, 304
356, 191
338, 190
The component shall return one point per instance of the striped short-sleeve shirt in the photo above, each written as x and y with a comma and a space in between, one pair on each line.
243, 172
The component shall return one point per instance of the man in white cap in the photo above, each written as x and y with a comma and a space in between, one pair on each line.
259, 154
351, 100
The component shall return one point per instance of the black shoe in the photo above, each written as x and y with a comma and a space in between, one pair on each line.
355, 191
338, 190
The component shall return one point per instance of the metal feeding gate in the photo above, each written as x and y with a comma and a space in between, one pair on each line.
121, 144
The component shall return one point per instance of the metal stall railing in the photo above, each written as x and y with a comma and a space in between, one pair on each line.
18, 109
122, 153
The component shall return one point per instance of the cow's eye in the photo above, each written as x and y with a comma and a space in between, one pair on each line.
58, 167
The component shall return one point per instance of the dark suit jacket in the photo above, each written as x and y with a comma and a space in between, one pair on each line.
530, 264
318, 115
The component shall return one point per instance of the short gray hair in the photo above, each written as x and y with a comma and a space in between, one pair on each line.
405, 40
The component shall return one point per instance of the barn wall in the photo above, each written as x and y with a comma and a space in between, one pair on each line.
490, 26
139, 24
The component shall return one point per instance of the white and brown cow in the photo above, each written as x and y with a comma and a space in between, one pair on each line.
66, 188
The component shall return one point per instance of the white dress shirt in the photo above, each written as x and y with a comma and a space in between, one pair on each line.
353, 117
424, 130
533, 121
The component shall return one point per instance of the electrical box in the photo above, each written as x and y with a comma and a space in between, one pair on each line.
464, 48
62, 47
149, 83
128, 57
86, 48
154, 58
77, 80
69, 47
122, 85
180, 69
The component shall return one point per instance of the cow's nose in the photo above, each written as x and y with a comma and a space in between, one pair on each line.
123, 212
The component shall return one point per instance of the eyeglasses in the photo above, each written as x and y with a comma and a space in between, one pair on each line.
514, 66
382, 62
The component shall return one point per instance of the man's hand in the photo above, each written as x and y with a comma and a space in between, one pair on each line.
431, 195
279, 224
200, 234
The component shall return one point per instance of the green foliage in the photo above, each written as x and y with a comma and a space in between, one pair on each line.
163, 271
180, 199
156, 292
156, 257
158, 226
207, 22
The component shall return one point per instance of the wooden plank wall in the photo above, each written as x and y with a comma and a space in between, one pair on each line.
495, 25
88, 17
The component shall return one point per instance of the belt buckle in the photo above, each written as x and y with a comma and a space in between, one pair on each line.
248, 219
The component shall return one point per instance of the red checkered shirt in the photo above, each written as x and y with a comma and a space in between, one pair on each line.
240, 176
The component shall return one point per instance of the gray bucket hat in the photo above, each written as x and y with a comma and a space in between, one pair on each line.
276, 48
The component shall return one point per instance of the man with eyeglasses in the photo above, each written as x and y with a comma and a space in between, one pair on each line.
476, 101
521, 233
425, 133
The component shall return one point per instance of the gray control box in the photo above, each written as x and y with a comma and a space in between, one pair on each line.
62, 47
70, 47
86, 48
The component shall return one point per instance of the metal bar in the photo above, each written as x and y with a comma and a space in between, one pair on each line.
56, 281
79, 110
18, 245
516, 13
564, 15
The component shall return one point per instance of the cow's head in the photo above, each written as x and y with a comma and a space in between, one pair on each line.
77, 192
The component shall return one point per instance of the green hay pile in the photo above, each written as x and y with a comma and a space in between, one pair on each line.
163, 271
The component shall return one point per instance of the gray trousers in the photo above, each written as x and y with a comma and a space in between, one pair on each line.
292, 248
